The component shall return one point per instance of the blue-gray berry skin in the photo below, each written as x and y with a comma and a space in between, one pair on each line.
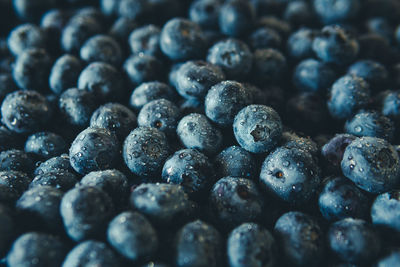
372, 164
142, 68
385, 210
145, 150
189, 168
132, 236
161, 114
59, 163
224, 100
149, 91
102, 79
91, 252
182, 39
235, 161
250, 244
371, 71
236, 18
64, 73
45, 145
333, 150
370, 123
300, 239
25, 111
232, 56
196, 131
336, 11
164, 204
195, 78
265, 37
391, 105
26, 36
335, 45
299, 44
115, 117
101, 48
269, 66
15, 180
39, 209
392, 258
16, 160
146, 40
257, 128
198, 244
205, 13
36, 249
354, 241
340, 199
85, 211
113, 182
348, 94
94, 149
60, 179
235, 200
291, 175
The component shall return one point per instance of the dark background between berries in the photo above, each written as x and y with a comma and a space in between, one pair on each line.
199, 133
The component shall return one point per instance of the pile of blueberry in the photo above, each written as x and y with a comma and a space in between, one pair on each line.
240, 133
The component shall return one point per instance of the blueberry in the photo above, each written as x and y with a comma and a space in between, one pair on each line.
26, 36
93, 253
154, 264
116, 118
142, 68
77, 31
251, 245
265, 38
371, 71
64, 73
45, 145
132, 235
385, 210
257, 128
7, 85
195, 78
354, 241
300, 239
134, 9
32, 69
372, 164
101, 48
146, 40
113, 182
235, 200
85, 211
333, 11
36, 249
299, 12
198, 244
165, 204
54, 20
77, 105
375, 47
38, 209
299, 44
205, 13
109, 7
391, 105
196, 131
340, 199
146, 92
189, 168
161, 114
61, 179
333, 150
188, 106
235, 161
335, 45
273, 22
224, 100
291, 140
232, 56
290, 174
311, 75
59, 163
347, 95
381, 26
7, 229
236, 18
102, 79
16, 160
182, 39
390, 259
28, 10
269, 65
121, 29
370, 123
145, 150
15, 180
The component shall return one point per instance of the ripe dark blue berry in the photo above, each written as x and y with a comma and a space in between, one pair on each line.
385, 210
235, 161
64, 73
